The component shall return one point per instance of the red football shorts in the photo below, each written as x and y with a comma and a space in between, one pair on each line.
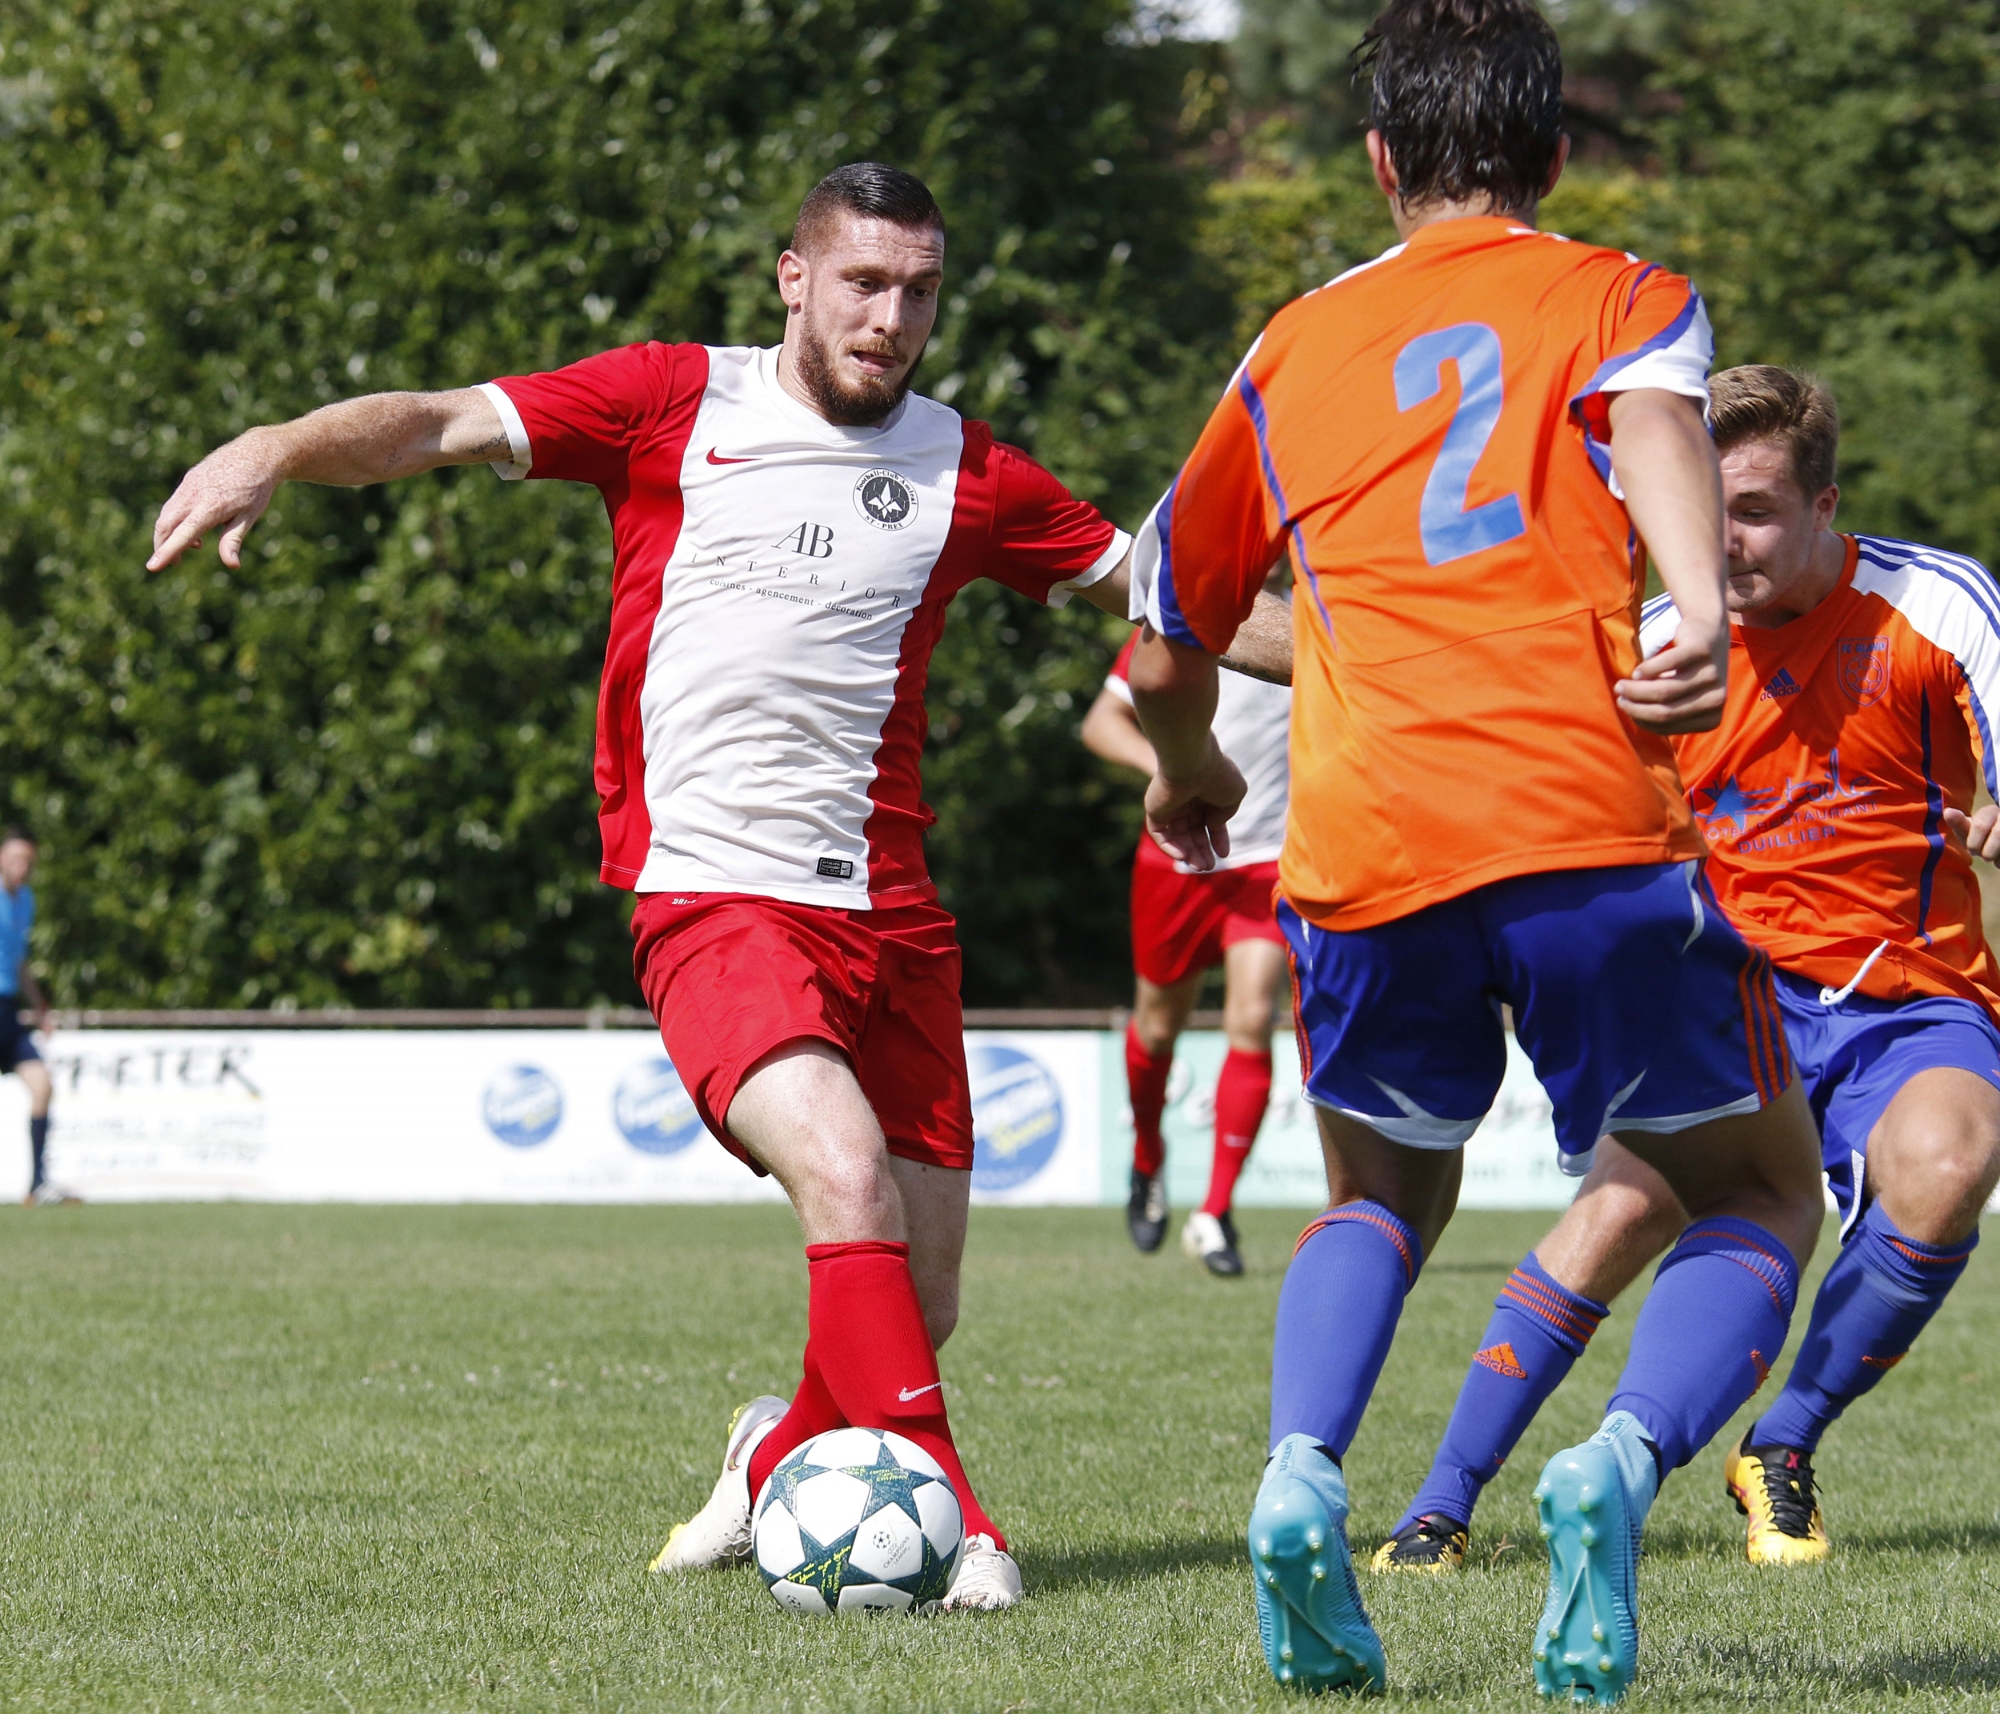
731, 976
1184, 923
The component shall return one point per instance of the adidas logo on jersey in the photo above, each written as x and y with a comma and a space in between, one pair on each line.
1780, 686
1502, 1361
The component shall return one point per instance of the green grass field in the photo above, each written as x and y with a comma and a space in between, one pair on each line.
383, 1459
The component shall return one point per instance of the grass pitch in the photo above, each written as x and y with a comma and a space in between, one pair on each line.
383, 1459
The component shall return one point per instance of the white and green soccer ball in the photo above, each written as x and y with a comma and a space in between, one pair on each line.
857, 1519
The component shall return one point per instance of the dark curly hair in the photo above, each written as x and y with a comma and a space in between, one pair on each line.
1467, 94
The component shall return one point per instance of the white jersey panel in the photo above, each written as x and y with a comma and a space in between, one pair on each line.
1253, 724
1952, 602
804, 551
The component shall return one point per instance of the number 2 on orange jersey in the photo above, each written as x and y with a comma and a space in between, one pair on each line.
1448, 530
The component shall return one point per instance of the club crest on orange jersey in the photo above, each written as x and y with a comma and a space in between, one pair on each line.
1864, 669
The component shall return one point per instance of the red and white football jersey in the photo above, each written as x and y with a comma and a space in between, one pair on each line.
1253, 723
779, 584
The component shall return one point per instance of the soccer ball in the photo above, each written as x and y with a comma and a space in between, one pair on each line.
857, 1518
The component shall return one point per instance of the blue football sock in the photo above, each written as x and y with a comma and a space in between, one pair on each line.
1880, 1293
1539, 1328
38, 1148
1710, 1330
1336, 1315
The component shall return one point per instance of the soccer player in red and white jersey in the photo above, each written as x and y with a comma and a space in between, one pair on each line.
789, 527
1184, 923
1836, 800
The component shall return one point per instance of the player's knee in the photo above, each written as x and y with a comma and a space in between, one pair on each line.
1247, 1022
852, 1187
1948, 1177
1155, 1029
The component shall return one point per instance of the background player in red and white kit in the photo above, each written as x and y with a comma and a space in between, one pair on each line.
1184, 923
789, 527
1836, 800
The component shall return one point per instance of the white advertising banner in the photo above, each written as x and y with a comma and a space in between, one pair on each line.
579, 1115
478, 1116
583, 1115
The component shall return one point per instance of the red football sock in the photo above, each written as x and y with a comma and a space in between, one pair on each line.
813, 1412
1146, 1079
1242, 1093
876, 1358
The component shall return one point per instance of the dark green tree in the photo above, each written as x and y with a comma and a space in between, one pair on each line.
358, 770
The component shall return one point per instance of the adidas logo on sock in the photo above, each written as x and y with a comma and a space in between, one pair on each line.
1782, 685
1502, 1361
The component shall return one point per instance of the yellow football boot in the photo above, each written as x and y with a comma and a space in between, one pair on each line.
1433, 1546
1773, 1487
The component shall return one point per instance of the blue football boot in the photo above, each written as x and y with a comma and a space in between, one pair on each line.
1309, 1614
1593, 1500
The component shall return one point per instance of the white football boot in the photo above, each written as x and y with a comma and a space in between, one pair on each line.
719, 1534
987, 1579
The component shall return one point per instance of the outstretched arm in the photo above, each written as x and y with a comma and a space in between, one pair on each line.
348, 445
1666, 466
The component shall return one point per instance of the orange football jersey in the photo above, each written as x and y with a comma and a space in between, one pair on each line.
1427, 437
1821, 796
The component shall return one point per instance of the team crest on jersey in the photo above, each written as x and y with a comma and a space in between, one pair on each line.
1864, 669
885, 500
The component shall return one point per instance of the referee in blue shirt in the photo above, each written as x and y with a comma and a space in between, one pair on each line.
18, 1053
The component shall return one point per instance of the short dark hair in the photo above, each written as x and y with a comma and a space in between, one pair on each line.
16, 831
1468, 97
1760, 401
870, 189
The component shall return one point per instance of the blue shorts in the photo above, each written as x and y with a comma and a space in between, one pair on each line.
17, 1035
1855, 1054
1641, 1008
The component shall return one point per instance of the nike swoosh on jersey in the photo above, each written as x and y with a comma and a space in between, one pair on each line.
909, 1393
712, 459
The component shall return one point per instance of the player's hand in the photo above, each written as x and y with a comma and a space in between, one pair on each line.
1980, 830
1189, 819
228, 490
1681, 689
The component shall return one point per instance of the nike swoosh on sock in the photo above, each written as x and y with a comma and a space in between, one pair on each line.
909, 1393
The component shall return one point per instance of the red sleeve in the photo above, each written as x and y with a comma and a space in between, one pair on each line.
1041, 535
581, 422
1121, 668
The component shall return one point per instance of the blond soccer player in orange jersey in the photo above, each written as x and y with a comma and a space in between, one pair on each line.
1836, 798
1463, 447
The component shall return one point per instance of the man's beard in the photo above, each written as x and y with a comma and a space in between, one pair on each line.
860, 405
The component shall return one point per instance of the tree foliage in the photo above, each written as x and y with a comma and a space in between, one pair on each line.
357, 771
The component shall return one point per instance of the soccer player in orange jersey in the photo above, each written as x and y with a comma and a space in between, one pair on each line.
1836, 801
1463, 446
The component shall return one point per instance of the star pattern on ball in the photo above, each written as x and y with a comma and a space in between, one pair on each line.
889, 1484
